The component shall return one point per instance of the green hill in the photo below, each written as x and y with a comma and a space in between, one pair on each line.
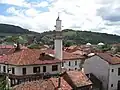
8, 30
80, 37
70, 36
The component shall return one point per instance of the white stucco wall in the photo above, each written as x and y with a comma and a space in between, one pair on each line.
99, 68
29, 69
72, 66
113, 77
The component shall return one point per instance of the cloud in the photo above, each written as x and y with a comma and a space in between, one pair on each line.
15, 2
94, 15
42, 4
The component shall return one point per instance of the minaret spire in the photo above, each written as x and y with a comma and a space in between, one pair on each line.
58, 39
58, 18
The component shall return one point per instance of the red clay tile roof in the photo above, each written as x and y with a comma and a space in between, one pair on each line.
4, 51
79, 52
27, 57
36, 85
78, 78
48, 84
111, 59
7, 46
66, 55
63, 85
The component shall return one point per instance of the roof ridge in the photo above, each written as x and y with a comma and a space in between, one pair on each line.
52, 82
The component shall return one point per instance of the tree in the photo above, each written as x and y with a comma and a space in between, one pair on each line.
3, 82
105, 47
34, 46
68, 43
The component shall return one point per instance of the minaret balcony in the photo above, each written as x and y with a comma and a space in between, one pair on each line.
58, 37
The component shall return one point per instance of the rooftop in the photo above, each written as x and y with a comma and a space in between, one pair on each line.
48, 84
66, 55
28, 57
78, 78
35, 85
111, 59
63, 85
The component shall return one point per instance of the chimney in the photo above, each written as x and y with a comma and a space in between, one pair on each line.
42, 54
59, 82
17, 47
41, 57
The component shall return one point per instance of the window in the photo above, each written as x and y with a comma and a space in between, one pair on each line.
75, 62
111, 85
69, 63
44, 68
4, 68
112, 70
118, 71
54, 67
24, 70
36, 69
13, 70
62, 64
118, 85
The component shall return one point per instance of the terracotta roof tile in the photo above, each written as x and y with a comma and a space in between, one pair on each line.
63, 85
78, 78
111, 59
27, 57
66, 55
7, 46
48, 84
36, 85
6, 51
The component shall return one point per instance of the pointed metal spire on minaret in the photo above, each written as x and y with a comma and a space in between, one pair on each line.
58, 18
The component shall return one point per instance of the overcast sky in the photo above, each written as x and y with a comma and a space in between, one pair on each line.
40, 15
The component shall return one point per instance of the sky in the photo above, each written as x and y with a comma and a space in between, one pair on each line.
40, 15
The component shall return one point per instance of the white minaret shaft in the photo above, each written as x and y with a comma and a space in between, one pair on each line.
58, 39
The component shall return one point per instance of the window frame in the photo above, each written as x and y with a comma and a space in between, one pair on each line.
4, 68
118, 71
24, 71
62, 64
44, 68
75, 62
13, 70
69, 63
112, 70
54, 67
36, 69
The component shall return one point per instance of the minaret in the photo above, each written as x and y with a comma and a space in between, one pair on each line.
58, 39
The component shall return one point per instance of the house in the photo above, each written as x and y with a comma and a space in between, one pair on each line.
47, 84
70, 60
106, 67
27, 63
66, 81
77, 80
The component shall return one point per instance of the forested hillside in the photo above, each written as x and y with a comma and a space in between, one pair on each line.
79, 37
69, 36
